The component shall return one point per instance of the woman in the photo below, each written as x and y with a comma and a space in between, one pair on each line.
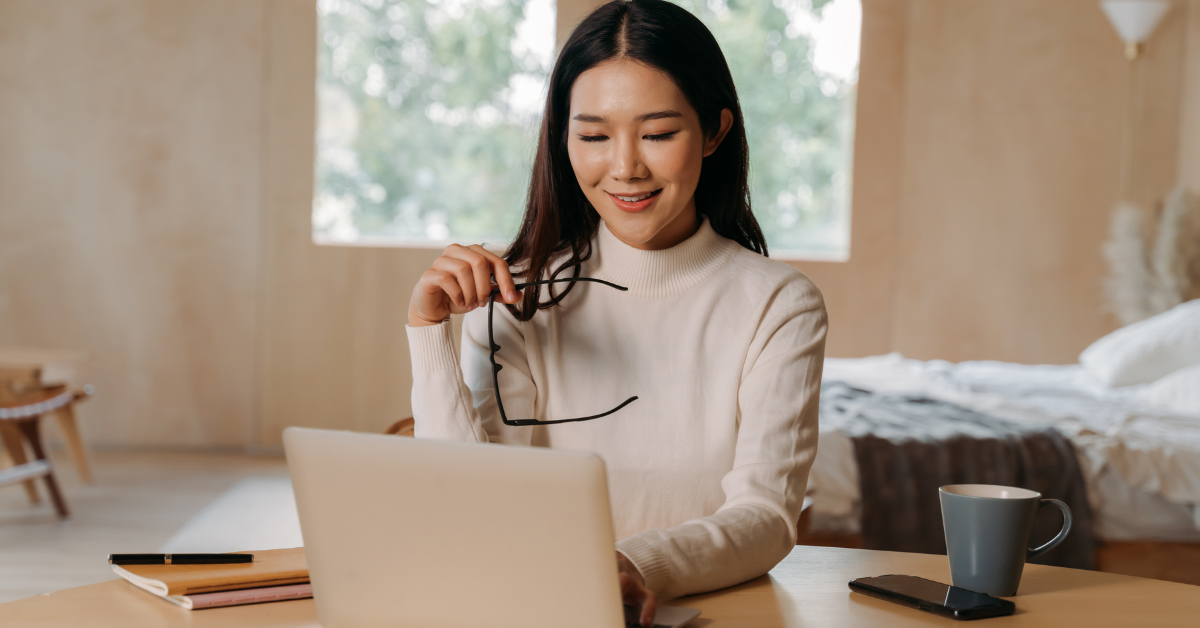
640, 180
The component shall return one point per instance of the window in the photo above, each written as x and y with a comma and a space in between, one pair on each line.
795, 64
428, 112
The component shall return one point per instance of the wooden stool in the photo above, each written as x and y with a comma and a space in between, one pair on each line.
23, 401
58, 367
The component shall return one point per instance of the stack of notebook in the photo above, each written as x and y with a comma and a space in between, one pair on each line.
275, 575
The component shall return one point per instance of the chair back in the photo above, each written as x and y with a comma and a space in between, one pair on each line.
403, 427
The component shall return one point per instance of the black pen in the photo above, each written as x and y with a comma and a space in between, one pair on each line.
179, 559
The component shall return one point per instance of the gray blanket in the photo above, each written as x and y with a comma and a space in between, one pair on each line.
907, 447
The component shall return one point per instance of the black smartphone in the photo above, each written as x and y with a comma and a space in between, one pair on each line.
934, 597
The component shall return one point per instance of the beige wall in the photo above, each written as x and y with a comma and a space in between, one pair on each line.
129, 206
1011, 164
156, 179
1189, 123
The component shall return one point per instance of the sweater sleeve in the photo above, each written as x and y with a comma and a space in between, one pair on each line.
756, 527
450, 402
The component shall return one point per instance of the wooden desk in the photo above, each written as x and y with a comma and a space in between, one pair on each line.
807, 589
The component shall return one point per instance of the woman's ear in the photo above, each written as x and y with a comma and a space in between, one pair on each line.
711, 144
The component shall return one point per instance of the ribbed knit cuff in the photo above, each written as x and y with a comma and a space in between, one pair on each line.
651, 564
432, 348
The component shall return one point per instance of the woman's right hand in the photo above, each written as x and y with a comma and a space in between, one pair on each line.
458, 282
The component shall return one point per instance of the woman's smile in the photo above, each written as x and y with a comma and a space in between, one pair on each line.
634, 202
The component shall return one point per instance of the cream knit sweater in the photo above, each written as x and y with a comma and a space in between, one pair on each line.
707, 469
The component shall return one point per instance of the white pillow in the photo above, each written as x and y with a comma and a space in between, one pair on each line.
1147, 350
1177, 392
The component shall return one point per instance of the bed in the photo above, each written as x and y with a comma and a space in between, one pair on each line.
1140, 463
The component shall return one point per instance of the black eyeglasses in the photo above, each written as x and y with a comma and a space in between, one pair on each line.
496, 367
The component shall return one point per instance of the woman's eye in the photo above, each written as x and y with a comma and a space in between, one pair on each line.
592, 138
658, 137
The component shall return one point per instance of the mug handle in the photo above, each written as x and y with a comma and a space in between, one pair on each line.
1034, 553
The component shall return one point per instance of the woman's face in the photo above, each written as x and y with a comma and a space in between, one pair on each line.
636, 147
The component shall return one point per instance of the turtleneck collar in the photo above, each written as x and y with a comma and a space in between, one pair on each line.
662, 273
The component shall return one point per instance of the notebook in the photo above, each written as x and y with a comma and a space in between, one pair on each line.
271, 568
241, 596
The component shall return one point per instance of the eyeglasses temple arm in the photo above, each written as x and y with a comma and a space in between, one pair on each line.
492, 349
586, 418
522, 286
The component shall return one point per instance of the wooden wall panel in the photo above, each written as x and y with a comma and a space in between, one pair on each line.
1013, 119
1189, 123
129, 194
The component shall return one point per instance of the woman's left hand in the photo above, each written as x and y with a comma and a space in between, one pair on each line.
634, 592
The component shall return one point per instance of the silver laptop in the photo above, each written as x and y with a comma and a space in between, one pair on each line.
432, 534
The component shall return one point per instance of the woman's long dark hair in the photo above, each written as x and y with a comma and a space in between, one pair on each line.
558, 217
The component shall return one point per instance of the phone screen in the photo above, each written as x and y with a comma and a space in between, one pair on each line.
931, 595
932, 592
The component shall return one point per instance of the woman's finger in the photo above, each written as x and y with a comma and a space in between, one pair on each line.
465, 276
627, 586
504, 279
449, 284
481, 268
649, 606
639, 597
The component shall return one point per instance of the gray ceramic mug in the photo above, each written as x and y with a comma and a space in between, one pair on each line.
987, 534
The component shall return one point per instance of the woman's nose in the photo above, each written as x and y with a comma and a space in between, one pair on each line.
627, 162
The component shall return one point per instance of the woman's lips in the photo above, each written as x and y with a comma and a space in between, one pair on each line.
635, 206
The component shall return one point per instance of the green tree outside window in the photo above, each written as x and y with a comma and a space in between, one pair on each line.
428, 111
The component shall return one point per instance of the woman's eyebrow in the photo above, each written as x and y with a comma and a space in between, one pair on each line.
656, 115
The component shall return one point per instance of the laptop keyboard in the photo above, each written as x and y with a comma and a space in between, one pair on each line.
634, 624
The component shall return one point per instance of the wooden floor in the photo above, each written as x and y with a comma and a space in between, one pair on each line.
136, 502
